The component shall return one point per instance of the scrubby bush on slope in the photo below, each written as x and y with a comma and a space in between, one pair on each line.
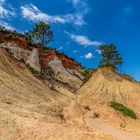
126, 111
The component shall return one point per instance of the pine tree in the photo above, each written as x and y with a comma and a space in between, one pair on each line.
110, 56
41, 34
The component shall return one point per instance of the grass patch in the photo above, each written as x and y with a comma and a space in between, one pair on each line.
126, 111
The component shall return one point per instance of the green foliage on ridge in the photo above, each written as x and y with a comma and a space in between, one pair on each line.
41, 34
110, 56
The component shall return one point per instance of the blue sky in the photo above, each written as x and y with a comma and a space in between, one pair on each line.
80, 26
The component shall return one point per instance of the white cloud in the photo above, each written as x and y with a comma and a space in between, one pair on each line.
4, 12
83, 40
2, 1
81, 10
88, 55
74, 2
7, 26
60, 48
98, 51
31, 12
75, 51
79, 20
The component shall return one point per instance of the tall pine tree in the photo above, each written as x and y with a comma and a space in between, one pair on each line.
110, 57
41, 34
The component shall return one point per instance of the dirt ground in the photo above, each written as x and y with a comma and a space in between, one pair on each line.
29, 110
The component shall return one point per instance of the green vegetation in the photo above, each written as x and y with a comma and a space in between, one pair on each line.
9, 32
126, 111
110, 56
29, 39
85, 73
41, 34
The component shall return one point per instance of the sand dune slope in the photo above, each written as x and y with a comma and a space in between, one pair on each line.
107, 86
29, 110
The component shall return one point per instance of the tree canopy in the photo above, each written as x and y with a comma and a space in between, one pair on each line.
41, 34
110, 57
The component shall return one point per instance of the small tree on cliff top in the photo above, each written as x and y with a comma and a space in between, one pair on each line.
41, 34
110, 56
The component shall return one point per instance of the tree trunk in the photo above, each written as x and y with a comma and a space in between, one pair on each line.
41, 61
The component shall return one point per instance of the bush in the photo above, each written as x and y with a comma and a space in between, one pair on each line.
126, 111
96, 115
85, 73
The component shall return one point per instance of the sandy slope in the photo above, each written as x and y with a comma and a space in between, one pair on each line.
24, 96
106, 86
29, 110
94, 123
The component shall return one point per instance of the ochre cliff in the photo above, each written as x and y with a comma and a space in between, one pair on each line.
66, 70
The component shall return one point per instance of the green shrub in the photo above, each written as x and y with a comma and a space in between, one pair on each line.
126, 111
85, 73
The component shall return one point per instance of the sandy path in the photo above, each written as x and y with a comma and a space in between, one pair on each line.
93, 123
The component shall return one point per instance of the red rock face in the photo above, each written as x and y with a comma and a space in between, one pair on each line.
46, 56
69, 63
20, 41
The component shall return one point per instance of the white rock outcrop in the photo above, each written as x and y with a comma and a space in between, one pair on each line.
29, 57
63, 75
33, 60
